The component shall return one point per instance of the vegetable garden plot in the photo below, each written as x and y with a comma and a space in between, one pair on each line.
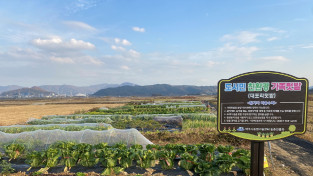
74, 116
66, 127
41, 139
143, 122
174, 103
151, 109
171, 121
202, 159
193, 116
68, 121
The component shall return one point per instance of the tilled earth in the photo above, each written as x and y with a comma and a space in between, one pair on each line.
292, 156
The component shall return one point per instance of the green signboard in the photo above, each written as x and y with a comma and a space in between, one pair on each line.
262, 105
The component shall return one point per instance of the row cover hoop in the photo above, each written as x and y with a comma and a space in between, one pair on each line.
41, 139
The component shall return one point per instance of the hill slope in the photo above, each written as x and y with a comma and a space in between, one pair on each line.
157, 90
27, 92
8, 88
72, 90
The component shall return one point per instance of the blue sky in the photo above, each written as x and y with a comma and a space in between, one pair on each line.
178, 42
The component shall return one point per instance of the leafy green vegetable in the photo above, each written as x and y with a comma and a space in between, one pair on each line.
13, 151
52, 155
69, 156
207, 152
146, 158
125, 157
153, 147
188, 161
242, 158
108, 158
35, 159
136, 147
86, 155
6, 168
225, 149
166, 158
225, 162
207, 169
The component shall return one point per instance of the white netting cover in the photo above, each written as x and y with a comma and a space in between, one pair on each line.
170, 120
74, 116
41, 139
66, 127
68, 121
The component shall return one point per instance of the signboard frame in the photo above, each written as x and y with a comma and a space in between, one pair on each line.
259, 74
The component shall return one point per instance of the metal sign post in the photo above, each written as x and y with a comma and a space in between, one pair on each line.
262, 106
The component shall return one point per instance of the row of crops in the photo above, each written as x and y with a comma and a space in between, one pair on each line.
141, 122
187, 116
152, 109
65, 127
109, 138
202, 159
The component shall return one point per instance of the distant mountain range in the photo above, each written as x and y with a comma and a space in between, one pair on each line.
8, 88
27, 92
68, 90
157, 90
124, 89
72, 90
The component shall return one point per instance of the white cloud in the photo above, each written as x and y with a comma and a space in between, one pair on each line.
243, 37
117, 48
21, 54
271, 29
134, 53
122, 42
232, 51
138, 29
91, 60
211, 63
62, 60
80, 5
76, 60
125, 42
272, 39
275, 58
57, 44
58, 50
307, 46
117, 40
125, 67
80, 25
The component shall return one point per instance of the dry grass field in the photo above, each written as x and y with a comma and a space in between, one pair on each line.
18, 112
308, 135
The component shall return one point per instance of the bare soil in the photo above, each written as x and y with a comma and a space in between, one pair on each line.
292, 154
19, 111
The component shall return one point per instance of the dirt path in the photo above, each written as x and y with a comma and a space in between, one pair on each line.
293, 155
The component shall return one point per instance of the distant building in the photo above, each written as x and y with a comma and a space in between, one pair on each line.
80, 95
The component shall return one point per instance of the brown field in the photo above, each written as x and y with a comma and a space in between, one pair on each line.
308, 135
18, 112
